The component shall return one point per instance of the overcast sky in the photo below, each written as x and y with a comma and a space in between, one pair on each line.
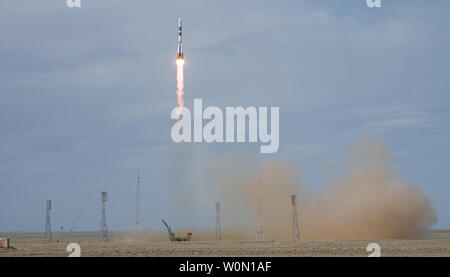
86, 95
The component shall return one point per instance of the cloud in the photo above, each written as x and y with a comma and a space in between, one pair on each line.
404, 122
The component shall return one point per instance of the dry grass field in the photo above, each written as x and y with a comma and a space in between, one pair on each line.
156, 244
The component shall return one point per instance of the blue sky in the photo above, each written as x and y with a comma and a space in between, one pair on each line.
86, 95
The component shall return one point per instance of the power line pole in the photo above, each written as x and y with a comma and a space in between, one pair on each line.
295, 234
103, 227
259, 214
218, 229
138, 227
48, 227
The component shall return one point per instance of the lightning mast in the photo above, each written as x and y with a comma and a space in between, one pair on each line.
218, 229
138, 227
295, 234
103, 227
259, 214
48, 227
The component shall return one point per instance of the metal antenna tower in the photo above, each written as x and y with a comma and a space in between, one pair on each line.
103, 226
138, 227
259, 214
218, 229
295, 235
62, 233
48, 227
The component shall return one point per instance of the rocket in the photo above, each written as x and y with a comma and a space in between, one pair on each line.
180, 42
180, 62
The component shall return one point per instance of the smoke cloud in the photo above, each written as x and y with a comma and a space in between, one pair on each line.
368, 201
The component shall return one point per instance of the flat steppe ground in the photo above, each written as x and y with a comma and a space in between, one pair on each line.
150, 244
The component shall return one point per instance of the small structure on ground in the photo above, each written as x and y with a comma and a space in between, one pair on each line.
172, 234
4, 242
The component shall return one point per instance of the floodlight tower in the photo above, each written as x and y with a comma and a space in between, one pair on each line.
218, 229
138, 227
259, 214
295, 234
48, 227
103, 227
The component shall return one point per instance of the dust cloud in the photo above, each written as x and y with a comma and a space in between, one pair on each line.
368, 202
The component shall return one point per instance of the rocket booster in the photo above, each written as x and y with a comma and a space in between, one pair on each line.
180, 42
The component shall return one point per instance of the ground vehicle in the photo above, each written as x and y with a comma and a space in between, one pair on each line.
172, 235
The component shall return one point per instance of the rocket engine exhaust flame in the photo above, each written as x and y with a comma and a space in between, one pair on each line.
180, 64
180, 84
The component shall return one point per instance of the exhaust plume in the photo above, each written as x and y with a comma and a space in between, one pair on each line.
180, 84
369, 202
